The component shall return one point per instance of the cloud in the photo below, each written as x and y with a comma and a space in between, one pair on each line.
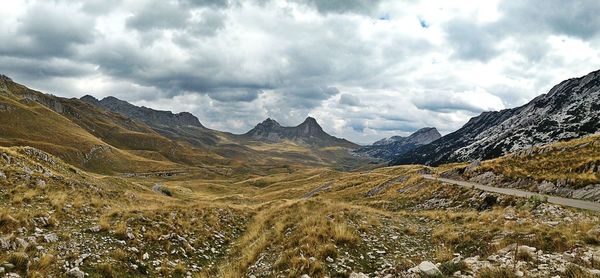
343, 6
48, 30
350, 100
158, 14
364, 69
579, 19
472, 101
471, 41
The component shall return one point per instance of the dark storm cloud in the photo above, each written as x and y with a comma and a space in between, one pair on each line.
244, 95
307, 97
40, 69
343, 6
471, 41
207, 3
573, 18
159, 14
48, 30
349, 100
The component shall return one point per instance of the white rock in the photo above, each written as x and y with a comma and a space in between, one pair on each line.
2, 176
329, 259
145, 256
40, 184
304, 276
51, 237
428, 269
358, 275
76, 273
519, 273
95, 229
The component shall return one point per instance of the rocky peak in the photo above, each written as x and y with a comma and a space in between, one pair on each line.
424, 136
308, 132
270, 123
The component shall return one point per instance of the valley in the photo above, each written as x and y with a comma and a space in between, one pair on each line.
104, 188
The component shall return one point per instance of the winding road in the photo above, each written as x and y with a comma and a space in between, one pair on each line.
575, 203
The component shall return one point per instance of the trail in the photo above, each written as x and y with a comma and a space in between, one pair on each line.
575, 203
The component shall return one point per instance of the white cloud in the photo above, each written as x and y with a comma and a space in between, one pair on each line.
364, 70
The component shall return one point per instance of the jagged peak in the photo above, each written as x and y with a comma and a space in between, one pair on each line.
89, 98
270, 121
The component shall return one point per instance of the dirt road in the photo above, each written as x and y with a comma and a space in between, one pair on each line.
575, 203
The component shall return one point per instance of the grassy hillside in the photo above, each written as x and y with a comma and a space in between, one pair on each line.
276, 222
577, 161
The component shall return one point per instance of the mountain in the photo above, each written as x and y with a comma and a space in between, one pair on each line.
181, 126
85, 136
308, 132
388, 148
147, 115
569, 110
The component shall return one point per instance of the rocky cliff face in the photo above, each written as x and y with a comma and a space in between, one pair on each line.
308, 132
147, 115
570, 110
388, 148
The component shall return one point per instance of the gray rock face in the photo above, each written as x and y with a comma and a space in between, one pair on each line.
389, 148
570, 110
150, 116
308, 132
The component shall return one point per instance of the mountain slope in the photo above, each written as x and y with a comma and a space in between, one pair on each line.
61, 127
388, 148
182, 125
570, 110
308, 132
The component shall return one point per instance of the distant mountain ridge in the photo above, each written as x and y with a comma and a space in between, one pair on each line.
569, 110
145, 114
389, 148
308, 132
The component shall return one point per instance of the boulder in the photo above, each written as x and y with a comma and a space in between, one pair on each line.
547, 187
75, 273
428, 269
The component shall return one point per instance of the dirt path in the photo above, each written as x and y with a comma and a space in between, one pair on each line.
575, 203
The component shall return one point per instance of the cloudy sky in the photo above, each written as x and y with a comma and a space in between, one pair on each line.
365, 69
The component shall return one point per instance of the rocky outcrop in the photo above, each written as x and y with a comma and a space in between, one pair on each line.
570, 110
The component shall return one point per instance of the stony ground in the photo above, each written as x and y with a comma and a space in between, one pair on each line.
58, 221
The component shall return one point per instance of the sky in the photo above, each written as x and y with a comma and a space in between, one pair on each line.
365, 69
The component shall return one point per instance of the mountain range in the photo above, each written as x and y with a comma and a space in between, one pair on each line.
569, 110
389, 148
112, 135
